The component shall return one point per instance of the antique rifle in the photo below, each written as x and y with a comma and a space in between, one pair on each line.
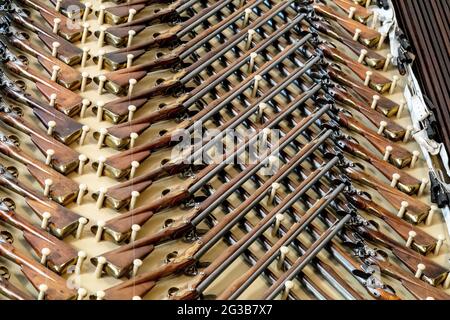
63, 159
67, 101
60, 220
61, 256
65, 129
62, 189
37, 274
67, 76
9, 290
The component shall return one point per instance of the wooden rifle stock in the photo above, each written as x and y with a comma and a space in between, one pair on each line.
10, 291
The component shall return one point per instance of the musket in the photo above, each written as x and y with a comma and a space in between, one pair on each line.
64, 159
119, 165
67, 76
68, 29
65, 130
118, 59
61, 256
118, 136
62, 221
37, 274
67, 101
367, 36
118, 35
67, 51
62, 189
9, 290
422, 242
361, 14
143, 283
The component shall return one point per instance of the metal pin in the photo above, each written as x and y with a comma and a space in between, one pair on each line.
101, 36
368, 2
136, 298
261, 108
137, 263
131, 84
56, 23
394, 84
84, 57
84, 131
382, 39
100, 295
82, 222
101, 84
87, 10
422, 187
45, 219
134, 230
81, 293
388, 61
414, 159
273, 191
251, 33
395, 178
357, 34
48, 183
288, 285
411, 236
408, 132
251, 63
81, 257
42, 290
55, 71
283, 252
101, 54
429, 298
99, 269
133, 137
130, 58
101, 197
402, 210
50, 153
84, 105
55, 46
101, 14
368, 76
131, 34
383, 125
351, 12
52, 102
447, 281
440, 242
134, 196
45, 252
257, 79
433, 209
247, 11
100, 227
131, 111
101, 164
81, 192
374, 20
51, 125
131, 14
100, 105
103, 132
387, 153
58, 5
362, 55
81, 163
278, 219
84, 36
401, 108
375, 100
420, 268
134, 166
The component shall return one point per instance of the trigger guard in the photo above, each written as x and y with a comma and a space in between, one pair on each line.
4, 273
6, 236
14, 139
21, 85
23, 59
13, 171
9, 203
18, 111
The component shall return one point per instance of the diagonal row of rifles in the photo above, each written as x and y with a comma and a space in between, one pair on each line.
300, 80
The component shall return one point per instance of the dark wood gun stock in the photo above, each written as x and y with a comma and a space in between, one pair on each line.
12, 292
423, 242
361, 14
64, 160
367, 37
61, 255
400, 157
37, 274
